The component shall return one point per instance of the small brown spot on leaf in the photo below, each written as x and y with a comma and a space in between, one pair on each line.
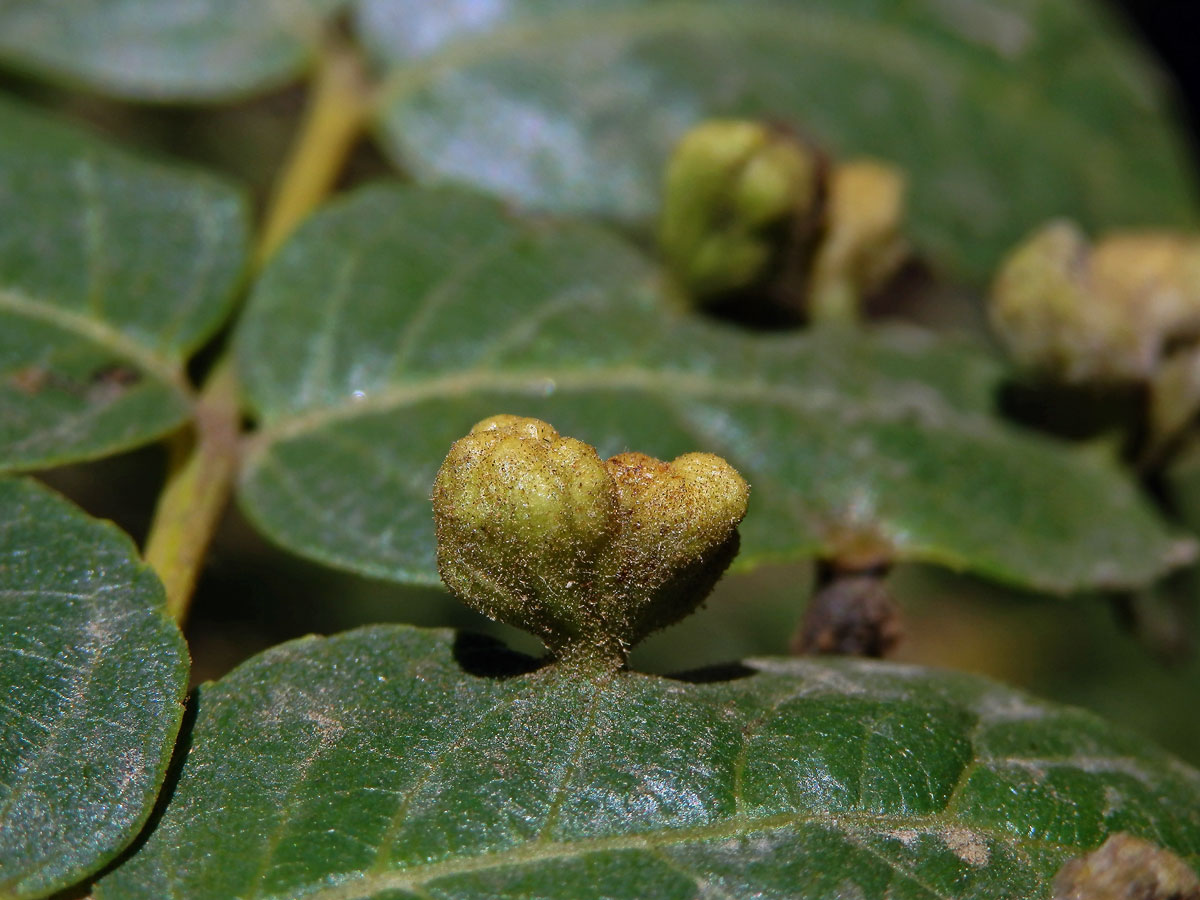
109, 382
30, 380
967, 846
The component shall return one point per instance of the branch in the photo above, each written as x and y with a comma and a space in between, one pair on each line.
204, 461
201, 475
333, 123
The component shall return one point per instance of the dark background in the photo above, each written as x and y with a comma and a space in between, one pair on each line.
1172, 28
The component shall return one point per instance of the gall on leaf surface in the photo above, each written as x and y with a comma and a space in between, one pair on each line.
399, 316
1002, 113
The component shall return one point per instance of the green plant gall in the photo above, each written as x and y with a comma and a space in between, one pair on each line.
1108, 312
863, 245
751, 207
735, 191
535, 530
1126, 309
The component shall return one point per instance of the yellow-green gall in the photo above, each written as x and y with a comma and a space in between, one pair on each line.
734, 192
678, 535
522, 516
1044, 309
1125, 867
1124, 310
1103, 313
536, 531
863, 244
759, 221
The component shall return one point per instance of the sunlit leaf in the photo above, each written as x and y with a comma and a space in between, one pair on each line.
396, 763
176, 50
112, 269
1003, 112
399, 317
92, 675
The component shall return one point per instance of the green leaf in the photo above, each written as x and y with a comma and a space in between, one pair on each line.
150, 50
112, 269
1003, 112
92, 679
393, 762
399, 317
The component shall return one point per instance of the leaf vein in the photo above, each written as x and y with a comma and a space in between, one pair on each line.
98, 332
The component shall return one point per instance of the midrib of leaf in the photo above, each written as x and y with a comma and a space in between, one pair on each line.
413, 877
665, 385
383, 856
540, 848
98, 332
586, 729
878, 45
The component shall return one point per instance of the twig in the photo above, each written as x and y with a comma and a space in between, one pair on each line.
336, 115
205, 457
203, 466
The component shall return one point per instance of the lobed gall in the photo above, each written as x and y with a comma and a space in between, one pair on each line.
522, 516
1123, 310
751, 210
1105, 312
863, 245
734, 193
535, 530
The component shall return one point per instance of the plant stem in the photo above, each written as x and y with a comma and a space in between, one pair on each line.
836, 302
336, 114
202, 469
204, 458
851, 613
591, 657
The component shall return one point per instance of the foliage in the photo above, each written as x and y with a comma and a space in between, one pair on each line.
398, 762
